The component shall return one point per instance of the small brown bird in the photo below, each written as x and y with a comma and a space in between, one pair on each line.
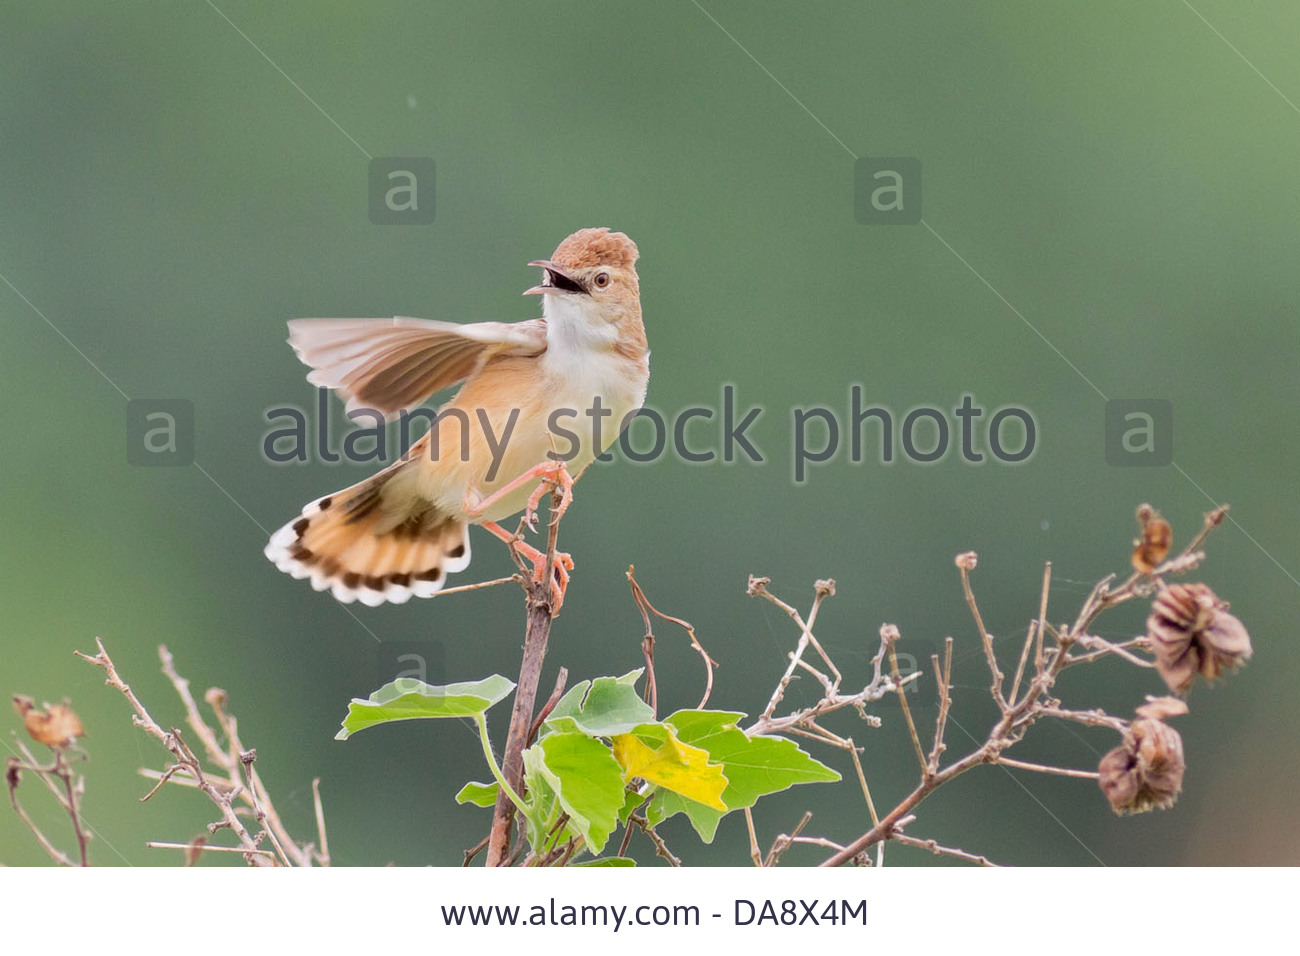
528, 399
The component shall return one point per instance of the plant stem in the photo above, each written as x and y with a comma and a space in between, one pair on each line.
508, 790
521, 719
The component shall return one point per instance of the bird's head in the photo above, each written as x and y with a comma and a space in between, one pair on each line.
592, 271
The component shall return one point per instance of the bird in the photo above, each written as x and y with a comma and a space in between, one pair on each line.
522, 417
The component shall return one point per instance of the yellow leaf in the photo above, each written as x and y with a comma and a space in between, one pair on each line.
654, 753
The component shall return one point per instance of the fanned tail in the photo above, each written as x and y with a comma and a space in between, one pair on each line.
375, 542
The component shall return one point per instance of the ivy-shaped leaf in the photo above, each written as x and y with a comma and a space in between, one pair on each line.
409, 699
586, 780
703, 819
602, 707
479, 794
754, 766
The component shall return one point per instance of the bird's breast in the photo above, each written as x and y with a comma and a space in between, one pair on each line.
522, 412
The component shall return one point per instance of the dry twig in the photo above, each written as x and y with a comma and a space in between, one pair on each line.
1037, 702
646, 608
68, 792
230, 780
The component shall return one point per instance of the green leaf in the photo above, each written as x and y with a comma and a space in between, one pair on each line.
653, 753
754, 766
585, 778
704, 819
603, 707
609, 861
543, 813
479, 794
654, 813
409, 699
632, 802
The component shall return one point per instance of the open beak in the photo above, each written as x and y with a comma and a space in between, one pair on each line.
555, 281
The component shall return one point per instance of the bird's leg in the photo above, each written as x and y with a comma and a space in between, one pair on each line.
520, 547
557, 478
554, 477
552, 473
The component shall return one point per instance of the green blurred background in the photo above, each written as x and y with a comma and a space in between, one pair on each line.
1114, 170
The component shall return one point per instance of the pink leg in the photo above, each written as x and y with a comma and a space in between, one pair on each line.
551, 473
559, 479
563, 562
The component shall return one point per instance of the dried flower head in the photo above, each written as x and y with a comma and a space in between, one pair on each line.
1152, 547
1192, 633
1145, 772
57, 726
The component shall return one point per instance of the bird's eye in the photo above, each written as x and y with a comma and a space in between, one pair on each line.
602, 279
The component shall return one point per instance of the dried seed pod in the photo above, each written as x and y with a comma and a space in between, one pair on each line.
1153, 546
1192, 633
57, 726
1145, 772
1162, 708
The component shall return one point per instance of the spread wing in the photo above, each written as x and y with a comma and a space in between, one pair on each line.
391, 365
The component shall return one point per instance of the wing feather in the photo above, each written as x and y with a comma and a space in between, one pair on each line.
391, 365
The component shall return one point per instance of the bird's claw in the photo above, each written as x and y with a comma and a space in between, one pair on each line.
560, 572
530, 519
555, 477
